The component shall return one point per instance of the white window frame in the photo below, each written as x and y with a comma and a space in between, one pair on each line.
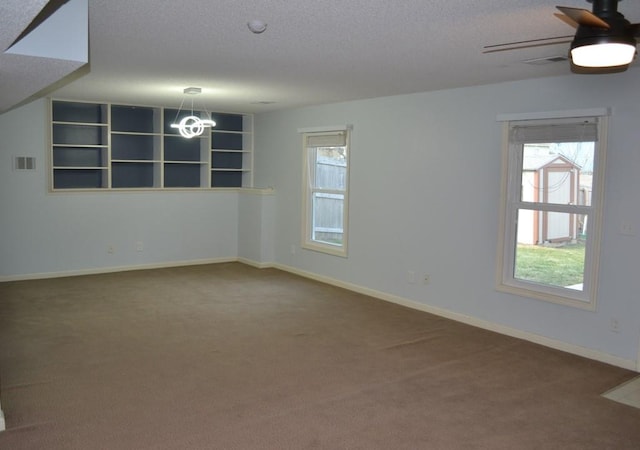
511, 202
309, 190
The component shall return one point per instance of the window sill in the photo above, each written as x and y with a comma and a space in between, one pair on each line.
551, 295
325, 248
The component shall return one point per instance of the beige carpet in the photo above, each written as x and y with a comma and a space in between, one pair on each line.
231, 357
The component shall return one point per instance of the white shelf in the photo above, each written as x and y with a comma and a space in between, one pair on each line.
123, 136
80, 168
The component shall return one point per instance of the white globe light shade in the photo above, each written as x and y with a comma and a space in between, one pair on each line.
603, 55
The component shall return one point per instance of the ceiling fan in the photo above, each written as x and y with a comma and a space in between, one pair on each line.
605, 42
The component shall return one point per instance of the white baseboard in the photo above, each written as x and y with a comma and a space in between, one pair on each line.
96, 271
469, 320
256, 264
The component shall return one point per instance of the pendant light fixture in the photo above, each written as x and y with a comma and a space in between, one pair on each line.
192, 125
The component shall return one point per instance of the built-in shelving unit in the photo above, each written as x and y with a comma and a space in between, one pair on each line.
103, 146
135, 147
231, 157
186, 162
79, 134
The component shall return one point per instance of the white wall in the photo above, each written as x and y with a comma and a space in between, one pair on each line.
45, 233
256, 221
425, 180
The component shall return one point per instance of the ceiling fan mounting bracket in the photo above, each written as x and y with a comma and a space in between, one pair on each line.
606, 3
604, 7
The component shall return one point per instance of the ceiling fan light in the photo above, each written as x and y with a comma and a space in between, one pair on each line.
607, 54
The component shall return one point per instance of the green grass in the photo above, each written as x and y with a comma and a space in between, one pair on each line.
559, 266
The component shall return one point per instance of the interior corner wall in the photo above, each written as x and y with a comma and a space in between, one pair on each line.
49, 234
425, 175
256, 220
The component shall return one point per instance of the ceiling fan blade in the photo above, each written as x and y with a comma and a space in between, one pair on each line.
635, 29
584, 17
526, 44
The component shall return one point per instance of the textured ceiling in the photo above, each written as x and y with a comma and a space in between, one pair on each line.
27, 75
17, 15
147, 51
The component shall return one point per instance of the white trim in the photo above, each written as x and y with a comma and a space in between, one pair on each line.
545, 293
638, 360
257, 191
256, 264
101, 270
329, 249
502, 223
473, 321
3, 425
217, 190
325, 129
591, 112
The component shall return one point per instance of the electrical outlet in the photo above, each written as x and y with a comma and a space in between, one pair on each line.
627, 228
139, 246
615, 325
426, 279
110, 249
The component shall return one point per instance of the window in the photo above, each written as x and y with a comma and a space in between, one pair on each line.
552, 193
326, 181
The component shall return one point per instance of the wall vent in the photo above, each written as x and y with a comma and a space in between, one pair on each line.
545, 60
24, 163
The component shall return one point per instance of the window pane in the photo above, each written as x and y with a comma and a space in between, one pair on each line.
550, 248
328, 218
558, 173
331, 168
